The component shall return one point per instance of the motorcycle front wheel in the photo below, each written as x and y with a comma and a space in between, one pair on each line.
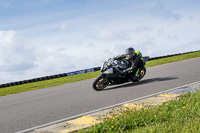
100, 83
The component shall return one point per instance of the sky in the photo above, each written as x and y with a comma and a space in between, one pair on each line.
47, 37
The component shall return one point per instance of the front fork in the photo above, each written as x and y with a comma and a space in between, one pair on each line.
105, 78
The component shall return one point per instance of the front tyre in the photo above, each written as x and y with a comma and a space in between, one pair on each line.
100, 83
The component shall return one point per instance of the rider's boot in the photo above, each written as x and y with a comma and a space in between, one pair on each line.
135, 78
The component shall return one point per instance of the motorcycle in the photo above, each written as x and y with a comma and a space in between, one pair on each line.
111, 73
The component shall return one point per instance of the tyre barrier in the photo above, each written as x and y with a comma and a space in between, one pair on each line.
75, 72
11, 84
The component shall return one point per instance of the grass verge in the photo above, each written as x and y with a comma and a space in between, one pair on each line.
178, 116
46, 83
75, 78
173, 59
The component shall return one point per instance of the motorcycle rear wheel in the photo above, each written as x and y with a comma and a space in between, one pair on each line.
100, 83
142, 73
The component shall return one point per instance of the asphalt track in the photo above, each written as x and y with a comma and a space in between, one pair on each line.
30, 109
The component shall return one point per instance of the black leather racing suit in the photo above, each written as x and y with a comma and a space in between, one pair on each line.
136, 63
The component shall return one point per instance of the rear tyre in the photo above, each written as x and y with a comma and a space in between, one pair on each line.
100, 83
142, 73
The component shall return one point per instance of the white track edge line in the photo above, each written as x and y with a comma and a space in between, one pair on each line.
86, 113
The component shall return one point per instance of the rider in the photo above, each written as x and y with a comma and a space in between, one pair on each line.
136, 62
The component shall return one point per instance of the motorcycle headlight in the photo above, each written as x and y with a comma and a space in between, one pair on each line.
106, 72
109, 71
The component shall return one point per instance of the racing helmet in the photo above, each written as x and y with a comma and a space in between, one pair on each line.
130, 53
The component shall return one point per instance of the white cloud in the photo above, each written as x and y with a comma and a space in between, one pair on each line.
159, 10
16, 57
63, 26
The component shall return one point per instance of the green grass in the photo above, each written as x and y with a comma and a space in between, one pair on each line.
172, 59
75, 78
178, 116
46, 83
